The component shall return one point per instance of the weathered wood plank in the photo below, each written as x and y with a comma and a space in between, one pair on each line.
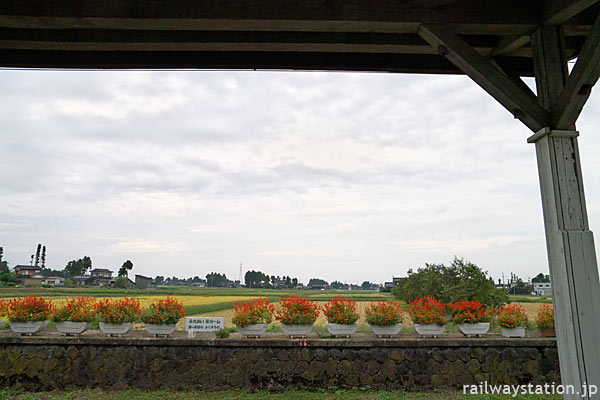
557, 12
512, 96
579, 84
465, 11
510, 44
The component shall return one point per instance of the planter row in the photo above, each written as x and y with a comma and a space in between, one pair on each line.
432, 330
256, 330
77, 328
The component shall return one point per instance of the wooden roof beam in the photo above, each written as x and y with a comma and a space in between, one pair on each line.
557, 12
510, 44
578, 86
515, 98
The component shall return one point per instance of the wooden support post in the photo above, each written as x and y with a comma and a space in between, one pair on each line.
572, 258
570, 243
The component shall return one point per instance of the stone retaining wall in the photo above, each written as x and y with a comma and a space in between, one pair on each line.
44, 363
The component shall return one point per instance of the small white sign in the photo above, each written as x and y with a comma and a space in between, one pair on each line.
203, 324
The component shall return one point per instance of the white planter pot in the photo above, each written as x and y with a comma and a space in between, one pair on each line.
27, 328
477, 329
164, 329
72, 327
341, 329
115, 329
254, 330
297, 330
513, 332
389, 330
433, 330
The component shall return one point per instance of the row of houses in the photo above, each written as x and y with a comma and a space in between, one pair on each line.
30, 275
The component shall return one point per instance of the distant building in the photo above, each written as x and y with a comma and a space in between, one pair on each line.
54, 281
200, 284
279, 284
318, 287
26, 270
101, 276
395, 282
542, 288
144, 282
82, 280
29, 274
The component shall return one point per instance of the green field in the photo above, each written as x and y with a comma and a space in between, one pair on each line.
274, 294
332, 393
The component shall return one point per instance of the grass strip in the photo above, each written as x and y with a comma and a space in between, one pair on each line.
363, 392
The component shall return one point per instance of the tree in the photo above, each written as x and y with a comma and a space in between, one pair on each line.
520, 287
366, 285
121, 282
159, 279
6, 275
338, 285
127, 266
460, 281
37, 255
294, 282
216, 280
43, 257
79, 267
541, 278
317, 282
52, 272
257, 279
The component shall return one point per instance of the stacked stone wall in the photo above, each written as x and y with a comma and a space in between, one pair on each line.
39, 363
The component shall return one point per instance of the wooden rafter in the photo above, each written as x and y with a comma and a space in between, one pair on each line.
579, 84
509, 44
557, 12
520, 102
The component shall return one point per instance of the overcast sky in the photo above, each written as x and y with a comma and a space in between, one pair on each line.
341, 176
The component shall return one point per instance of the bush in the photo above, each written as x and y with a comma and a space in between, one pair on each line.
257, 311
341, 311
461, 281
384, 313
295, 310
121, 282
78, 309
222, 333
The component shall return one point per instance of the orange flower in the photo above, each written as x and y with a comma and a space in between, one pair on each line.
427, 310
545, 317
257, 311
512, 316
384, 313
341, 311
296, 310
117, 311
